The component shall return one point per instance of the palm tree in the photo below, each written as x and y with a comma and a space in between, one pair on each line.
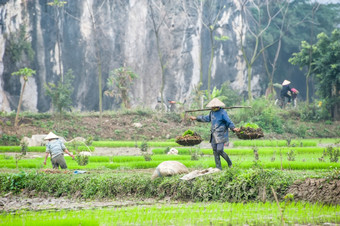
25, 72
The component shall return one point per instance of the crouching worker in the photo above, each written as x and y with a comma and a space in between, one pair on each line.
56, 148
220, 122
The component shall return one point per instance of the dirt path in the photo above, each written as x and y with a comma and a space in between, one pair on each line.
23, 202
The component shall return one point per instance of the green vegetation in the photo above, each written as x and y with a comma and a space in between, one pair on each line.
9, 140
188, 132
320, 59
119, 83
310, 158
275, 143
19, 45
61, 92
132, 144
243, 185
112, 177
25, 73
214, 213
4, 149
251, 125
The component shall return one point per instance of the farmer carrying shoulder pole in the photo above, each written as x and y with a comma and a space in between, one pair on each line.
56, 148
220, 122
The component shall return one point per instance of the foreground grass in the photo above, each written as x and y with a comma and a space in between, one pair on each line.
184, 214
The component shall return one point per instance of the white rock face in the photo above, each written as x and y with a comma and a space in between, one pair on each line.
173, 151
124, 35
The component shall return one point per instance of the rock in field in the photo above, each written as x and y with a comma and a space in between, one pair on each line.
169, 168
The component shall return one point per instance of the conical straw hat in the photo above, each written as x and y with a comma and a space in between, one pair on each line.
215, 103
285, 82
51, 136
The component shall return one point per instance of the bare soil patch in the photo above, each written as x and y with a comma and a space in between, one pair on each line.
115, 127
31, 201
316, 190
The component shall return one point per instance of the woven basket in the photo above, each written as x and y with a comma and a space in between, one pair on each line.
188, 140
247, 133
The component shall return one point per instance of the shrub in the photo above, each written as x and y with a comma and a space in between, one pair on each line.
9, 140
291, 155
333, 154
173, 117
229, 185
314, 112
144, 146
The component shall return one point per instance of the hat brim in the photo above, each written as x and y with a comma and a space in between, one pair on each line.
215, 103
51, 136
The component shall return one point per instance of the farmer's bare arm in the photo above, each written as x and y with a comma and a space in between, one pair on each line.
46, 156
69, 153
236, 129
192, 117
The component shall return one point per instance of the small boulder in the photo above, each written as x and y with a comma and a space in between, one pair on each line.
37, 140
173, 151
137, 125
169, 168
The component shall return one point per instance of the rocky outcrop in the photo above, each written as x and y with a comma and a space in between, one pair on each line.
125, 33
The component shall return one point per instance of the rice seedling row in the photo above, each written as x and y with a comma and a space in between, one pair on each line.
4, 149
302, 162
184, 214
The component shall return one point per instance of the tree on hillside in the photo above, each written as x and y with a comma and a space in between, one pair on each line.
256, 23
158, 14
302, 20
120, 82
97, 27
208, 14
323, 59
25, 73
61, 93
276, 31
210, 17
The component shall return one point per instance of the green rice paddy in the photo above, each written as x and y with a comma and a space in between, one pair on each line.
184, 214
308, 157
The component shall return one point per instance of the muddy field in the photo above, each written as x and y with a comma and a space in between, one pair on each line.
317, 190
32, 201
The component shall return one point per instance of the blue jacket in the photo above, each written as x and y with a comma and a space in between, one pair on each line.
220, 122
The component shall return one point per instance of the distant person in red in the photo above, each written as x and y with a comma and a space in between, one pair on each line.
285, 91
294, 96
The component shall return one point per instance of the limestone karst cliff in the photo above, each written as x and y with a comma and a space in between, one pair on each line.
135, 33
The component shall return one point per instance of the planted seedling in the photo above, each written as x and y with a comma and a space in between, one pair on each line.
189, 138
144, 149
291, 155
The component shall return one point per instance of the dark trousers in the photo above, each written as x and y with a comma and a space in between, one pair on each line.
59, 161
219, 151
286, 95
